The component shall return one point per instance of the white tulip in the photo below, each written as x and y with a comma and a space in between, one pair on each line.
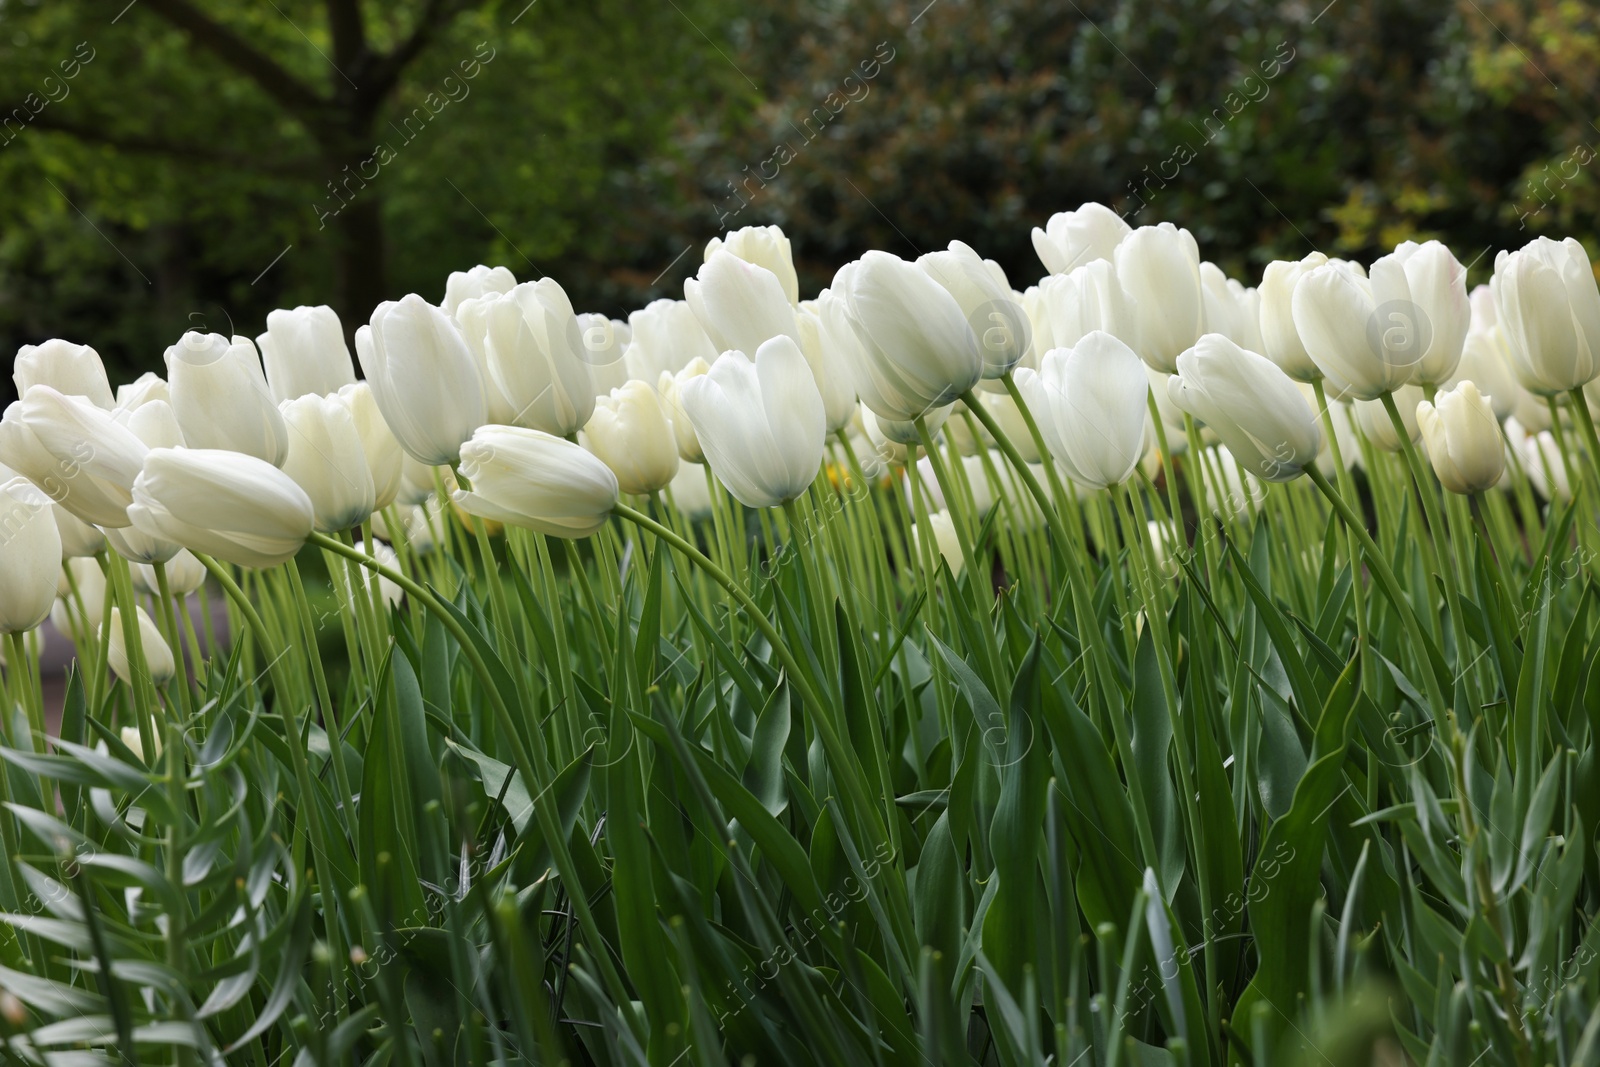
1375, 423
537, 359
944, 539
80, 603
1464, 442
666, 337
75, 370
385, 458
918, 351
1546, 467
765, 246
305, 353
606, 341
530, 478
980, 288
424, 378
185, 574
157, 653
1549, 313
30, 556
761, 423
220, 396
129, 736
391, 592
739, 304
1280, 337
1090, 402
1251, 404
327, 460
229, 505
632, 435
1485, 359
1363, 350
829, 360
78, 453
472, 317
1072, 238
1040, 325
1422, 288
143, 389
477, 282
689, 492
419, 482
155, 424
79, 540
670, 387
1159, 267
1089, 298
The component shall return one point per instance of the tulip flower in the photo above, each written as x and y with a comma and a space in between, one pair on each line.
79, 540
157, 653
1231, 309
530, 478
480, 281
220, 396
423, 377
78, 453
1546, 467
917, 351
235, 507
385, 458
1159, 268
80, 602
828, 354
760, 423
1072, 238
143, 389
1374, 421
633, 436
185, 574
670, 387
1463, 438
30, 556
1090, 404
1040, 325
1549, 313
129, 736
944, 539
327, 460
606, 341
689, 492
305, 353
1280, 337
156, 425
889, 450
1362, 349
75, 370
739, 304
1423, 287
981, 290
537, 360
765, 246
666, 337
391, 593
1088, 299
1485, 359
1251, 404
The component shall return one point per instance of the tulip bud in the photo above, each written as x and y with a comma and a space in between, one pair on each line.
1280, 337
423, 377
157, 654
472, 316
1546, 467
1485, 359
1425, 287
80, 602
327, 460
537, 359
129, 736
890, 451
530, 478
944, 540
79, 454
79, 540
1041, 326
1166, 558
631, 434
1159, 268
606, 341
671, 389
689, 492
392, 594
1362, 348
1463, 439
30, 556
480, 281
918, 352
1549, 313
185, 574
75, 370
419, 482
221, 399
1090, 404
143, 389
829, 366
1374, 421
761, 424
1251, 404
1088, 299
1072, 238
739, 304
765, 246
385, 458
1231, 309
305, 353
980, 288
155, 424
229, 505
666, 337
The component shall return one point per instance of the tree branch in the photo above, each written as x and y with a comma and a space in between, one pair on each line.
301, 102
438, 14
306, 167
349, 32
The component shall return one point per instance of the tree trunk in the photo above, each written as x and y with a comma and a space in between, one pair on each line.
360, 261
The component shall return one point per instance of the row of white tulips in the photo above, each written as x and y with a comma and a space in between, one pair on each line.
534, 415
